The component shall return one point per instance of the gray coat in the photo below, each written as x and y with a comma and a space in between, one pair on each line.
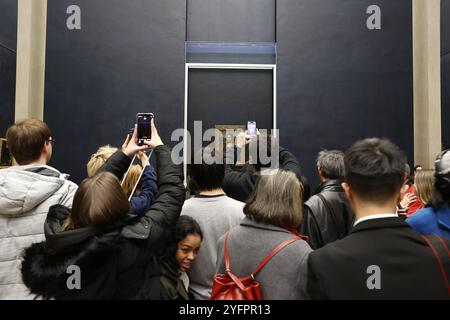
284, 277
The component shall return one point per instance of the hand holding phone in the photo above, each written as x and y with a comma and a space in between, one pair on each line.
129, 146
251, 128
143, 121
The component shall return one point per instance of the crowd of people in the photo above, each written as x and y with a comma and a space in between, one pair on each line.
371, 230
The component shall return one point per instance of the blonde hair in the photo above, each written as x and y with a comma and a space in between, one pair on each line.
98, 201
277, 199
424, 185
99, 158
131, 179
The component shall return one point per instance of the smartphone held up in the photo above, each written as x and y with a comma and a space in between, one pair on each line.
144, 128
251, 128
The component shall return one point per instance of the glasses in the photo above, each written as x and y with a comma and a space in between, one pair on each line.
51, 140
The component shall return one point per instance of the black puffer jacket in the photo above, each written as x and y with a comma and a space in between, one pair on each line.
112, 266
324, 224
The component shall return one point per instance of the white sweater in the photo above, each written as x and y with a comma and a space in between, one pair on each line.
26, 194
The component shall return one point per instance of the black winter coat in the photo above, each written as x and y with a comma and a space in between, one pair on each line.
113, 266
380, 259
324, 224
239, 184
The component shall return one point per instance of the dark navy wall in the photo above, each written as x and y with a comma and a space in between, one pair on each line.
338, 81
231, 20
445, 72
128, 57
8, 44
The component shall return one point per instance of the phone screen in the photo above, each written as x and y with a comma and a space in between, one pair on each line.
144, 127
251, 128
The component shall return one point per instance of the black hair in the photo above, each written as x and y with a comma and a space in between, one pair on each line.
184, 226
375, 169
207, 175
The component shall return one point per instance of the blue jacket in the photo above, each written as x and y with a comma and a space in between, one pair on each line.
427, 221
149, 189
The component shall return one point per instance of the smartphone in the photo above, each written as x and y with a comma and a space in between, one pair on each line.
143, 121
251, 128
5, 157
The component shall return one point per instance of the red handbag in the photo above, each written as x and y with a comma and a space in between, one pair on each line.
229, 287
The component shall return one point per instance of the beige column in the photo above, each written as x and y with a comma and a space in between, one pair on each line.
30, 69
427, 81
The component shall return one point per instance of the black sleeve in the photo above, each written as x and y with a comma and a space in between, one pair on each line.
237, 184
169, 200
314, 286
117, 164
289, 162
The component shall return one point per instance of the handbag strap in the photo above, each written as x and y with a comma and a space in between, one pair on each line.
260, 266
227, 264
225, 252
274, 252
441, 253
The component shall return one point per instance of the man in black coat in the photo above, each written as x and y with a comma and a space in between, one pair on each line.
327, 215
382, 258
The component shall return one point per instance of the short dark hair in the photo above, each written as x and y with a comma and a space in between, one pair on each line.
207, 175
26, 139
331, 163
375, 169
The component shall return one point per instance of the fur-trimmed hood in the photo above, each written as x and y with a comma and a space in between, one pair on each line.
45, 265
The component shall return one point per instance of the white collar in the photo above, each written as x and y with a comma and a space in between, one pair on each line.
375, 216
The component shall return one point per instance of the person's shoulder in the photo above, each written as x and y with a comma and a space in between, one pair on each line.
232, 201
313, 201
70, 183
337, 249
188, 205
421, 217
300, 246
